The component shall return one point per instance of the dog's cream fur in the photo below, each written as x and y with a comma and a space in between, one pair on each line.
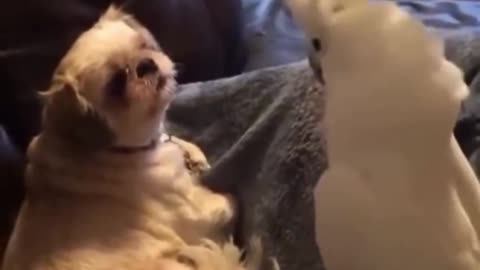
90, 207
398, 193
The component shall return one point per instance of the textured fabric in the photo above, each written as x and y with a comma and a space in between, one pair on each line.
447, 16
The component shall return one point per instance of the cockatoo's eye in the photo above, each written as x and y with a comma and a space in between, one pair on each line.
317, 46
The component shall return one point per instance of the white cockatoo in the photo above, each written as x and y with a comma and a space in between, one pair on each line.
398, 194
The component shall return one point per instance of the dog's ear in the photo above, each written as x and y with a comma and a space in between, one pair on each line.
113, 13
74, 119
117, 13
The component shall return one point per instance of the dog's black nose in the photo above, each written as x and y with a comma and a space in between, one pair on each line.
145, 67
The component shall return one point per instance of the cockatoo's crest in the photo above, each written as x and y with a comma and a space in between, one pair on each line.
314, 16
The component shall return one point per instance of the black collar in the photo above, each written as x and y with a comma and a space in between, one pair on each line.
124, 149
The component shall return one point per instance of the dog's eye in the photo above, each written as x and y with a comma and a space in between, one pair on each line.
316, 44
143, 45
147, 46
118, 82
186, 261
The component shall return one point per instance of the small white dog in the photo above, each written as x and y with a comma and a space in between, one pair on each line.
107, 188
398, 193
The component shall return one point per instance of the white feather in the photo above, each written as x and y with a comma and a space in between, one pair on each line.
398, 193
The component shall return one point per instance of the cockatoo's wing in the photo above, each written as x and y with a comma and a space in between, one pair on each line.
343, 204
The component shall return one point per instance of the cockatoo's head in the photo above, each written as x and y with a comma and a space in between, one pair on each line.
379, 64
315, 18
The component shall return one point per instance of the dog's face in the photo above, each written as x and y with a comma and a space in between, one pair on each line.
112, 87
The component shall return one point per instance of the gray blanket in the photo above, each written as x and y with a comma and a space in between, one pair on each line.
262, 133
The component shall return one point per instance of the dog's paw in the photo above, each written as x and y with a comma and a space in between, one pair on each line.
195, 160
223, 216
229, 213
193, 150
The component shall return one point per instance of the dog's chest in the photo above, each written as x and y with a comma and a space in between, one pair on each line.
174, 196
169, 168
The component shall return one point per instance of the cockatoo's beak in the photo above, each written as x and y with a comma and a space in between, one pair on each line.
316, 67
305, 14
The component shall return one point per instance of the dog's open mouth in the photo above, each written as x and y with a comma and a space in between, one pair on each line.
120, 87
148, 86
146, 79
